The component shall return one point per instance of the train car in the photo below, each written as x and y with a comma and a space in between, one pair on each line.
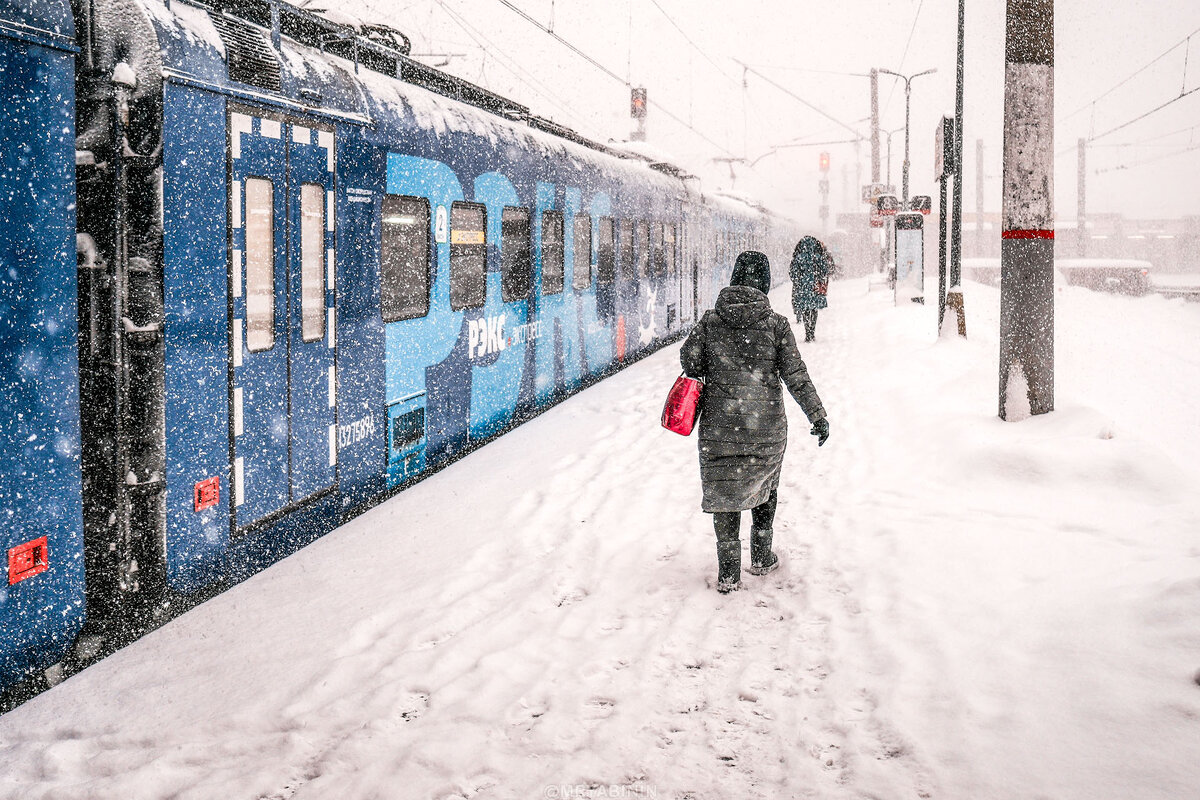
41, 598
311, 271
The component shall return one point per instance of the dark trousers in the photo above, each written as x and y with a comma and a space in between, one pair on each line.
809, 318
729, 523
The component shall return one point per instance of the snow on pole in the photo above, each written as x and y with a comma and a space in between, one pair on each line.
1027, 237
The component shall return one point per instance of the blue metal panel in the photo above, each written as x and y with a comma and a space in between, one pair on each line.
360, 356
40, 483
44, 22
581, 304
496, 377
311, 379
550, 347
427, 361
600, 334
258, 152
196, 345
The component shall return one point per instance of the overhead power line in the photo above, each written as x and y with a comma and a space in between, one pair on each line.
512, 66
695, 46
1149, 160
549, 32
1141, 117
799, 99
916, 17
1152, 62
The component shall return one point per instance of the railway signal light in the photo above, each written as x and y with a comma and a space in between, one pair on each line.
824, 162
637, 103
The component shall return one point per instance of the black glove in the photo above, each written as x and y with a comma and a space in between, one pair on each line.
820, 429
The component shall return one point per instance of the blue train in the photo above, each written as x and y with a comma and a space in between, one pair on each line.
262, 270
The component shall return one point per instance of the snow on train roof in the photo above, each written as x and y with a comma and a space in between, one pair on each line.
443, 115
192, 21
377, 90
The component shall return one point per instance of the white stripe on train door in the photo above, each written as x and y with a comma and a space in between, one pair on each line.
235, 202
237, 411
237, 342
237, 273
239, 486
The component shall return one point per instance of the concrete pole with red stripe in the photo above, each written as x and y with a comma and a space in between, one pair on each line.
1027, 237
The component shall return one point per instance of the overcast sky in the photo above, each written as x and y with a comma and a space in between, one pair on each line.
686, 55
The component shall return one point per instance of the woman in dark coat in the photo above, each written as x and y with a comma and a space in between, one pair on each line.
810, 270
742, 350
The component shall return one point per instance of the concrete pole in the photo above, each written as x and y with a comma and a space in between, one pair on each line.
979, 237
907, 97
1081, 202
942, 251
956, 219
1027, 234
874, 125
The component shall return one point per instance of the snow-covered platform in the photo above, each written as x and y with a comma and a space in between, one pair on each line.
967, 608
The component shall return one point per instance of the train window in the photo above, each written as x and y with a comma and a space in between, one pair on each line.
552, 252
668, 238
641, 236
606, 267
582, 265
516, 268
468, 255
260, 264
312, 261
627, 268
404, 258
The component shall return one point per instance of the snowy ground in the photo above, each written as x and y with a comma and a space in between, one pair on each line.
967, 608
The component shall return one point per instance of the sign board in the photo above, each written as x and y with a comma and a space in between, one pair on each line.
921, 202
440, 225
943, 149
888, 204
876, 218
870, 191
910, 258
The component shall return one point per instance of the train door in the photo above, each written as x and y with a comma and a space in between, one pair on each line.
281, 313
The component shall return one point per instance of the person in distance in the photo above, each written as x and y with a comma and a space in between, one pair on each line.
742, 350
811, 268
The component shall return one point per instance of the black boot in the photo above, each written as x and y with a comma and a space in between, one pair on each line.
762, 560
729, 566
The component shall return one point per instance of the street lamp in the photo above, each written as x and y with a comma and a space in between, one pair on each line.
888, 134
907, 95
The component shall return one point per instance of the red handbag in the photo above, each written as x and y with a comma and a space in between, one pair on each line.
822, 287
682, 407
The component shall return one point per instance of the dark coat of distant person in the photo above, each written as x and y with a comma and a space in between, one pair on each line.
811, 265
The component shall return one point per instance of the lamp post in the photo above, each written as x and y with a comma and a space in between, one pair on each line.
888, 135
907, 96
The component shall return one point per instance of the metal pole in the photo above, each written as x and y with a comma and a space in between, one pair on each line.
979, 239
1081, 201
907, 97
942, 251
874, 125
1027, 236
889, 164
956, 220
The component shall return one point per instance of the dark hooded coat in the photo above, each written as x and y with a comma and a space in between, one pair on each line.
811, 264
742, 349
